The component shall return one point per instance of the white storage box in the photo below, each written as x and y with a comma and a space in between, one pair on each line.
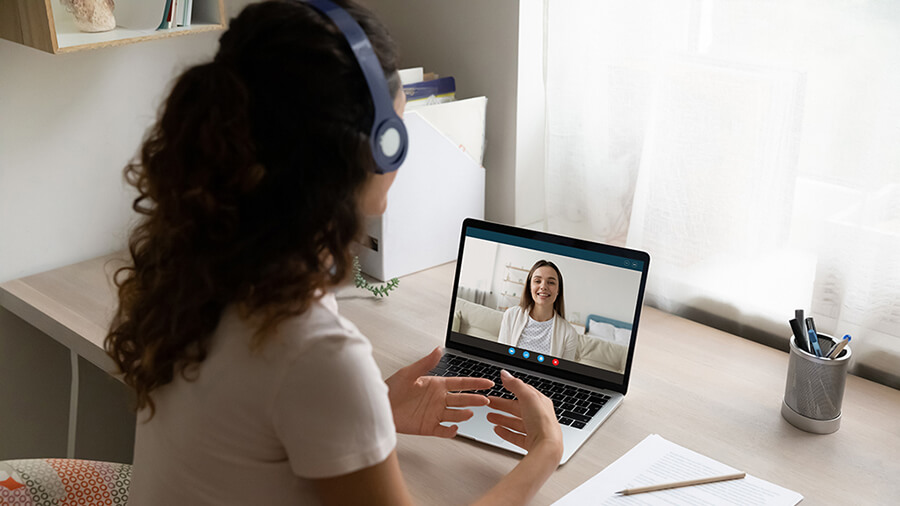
437, 187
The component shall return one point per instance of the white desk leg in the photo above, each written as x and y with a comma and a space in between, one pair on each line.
73, 407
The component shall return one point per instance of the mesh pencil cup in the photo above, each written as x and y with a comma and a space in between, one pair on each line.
815, 388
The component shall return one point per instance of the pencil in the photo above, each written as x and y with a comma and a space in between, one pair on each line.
679, 484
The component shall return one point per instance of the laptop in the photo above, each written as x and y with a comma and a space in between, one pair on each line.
583, 362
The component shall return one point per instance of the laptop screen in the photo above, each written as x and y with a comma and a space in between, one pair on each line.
552, 304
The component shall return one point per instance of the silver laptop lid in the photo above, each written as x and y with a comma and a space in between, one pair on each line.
599, 292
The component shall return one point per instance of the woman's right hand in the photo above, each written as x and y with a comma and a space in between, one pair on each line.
532, 422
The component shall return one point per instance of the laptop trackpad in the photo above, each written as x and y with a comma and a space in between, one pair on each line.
480, 429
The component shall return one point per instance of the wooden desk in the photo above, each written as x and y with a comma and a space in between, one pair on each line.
72, 304
707, 390
65, 406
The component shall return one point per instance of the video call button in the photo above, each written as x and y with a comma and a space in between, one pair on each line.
526, 354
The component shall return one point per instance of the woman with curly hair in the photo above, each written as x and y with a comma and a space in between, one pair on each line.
252, 186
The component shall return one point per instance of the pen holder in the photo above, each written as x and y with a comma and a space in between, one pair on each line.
815, 388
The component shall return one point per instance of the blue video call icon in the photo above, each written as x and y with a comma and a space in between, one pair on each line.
512, 351
526, 354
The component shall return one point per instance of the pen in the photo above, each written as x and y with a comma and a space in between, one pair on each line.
798, 313
799, 336
814, 342
811, 325
679, 484
838, 347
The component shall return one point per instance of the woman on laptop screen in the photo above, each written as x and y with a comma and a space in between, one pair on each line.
538, 323
252, 187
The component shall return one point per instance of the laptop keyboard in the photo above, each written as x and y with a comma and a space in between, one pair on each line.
574, 406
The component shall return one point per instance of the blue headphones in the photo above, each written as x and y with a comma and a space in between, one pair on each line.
388, 138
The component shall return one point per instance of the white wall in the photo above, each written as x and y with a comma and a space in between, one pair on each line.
68, 125
477, 269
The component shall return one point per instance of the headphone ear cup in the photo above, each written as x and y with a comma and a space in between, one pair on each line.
389, 141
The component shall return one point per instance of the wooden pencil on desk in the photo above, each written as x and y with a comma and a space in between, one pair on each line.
679, 484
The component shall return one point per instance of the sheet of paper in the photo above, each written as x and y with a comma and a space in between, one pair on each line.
656, 460
411, 75
462, 121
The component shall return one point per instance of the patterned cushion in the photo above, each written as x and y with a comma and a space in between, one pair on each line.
63, 482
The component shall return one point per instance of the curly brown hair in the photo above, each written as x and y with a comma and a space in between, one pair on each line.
248, 188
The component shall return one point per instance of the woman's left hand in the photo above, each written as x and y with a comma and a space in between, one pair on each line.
420, 403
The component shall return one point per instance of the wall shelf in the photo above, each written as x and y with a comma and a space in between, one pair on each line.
521, 269
32, 23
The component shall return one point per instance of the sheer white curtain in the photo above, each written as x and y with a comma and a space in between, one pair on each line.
752, 147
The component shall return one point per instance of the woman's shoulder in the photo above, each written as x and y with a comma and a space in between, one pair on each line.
514, 310
321, 323
321, 329
565, 324
514, 314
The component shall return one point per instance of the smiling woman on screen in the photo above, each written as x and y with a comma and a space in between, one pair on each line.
539, 323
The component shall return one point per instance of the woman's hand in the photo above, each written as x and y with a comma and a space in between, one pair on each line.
533, 421
532, 426
420, 403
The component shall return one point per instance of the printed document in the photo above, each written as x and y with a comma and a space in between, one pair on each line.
656, 460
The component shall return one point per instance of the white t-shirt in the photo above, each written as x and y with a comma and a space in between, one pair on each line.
253, 428
564, 337
536, 336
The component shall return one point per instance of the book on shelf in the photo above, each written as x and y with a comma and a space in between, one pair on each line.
183, 12
176, 13
430, 92
170, 19
188, 9
166, 16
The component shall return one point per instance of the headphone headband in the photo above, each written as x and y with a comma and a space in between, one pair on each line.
388, 138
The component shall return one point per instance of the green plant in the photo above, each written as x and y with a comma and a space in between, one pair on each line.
381, 290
